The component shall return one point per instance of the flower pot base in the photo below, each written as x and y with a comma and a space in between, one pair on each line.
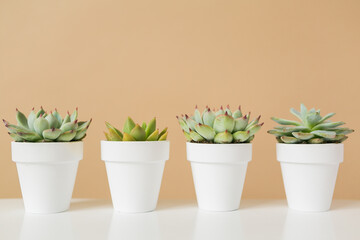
309, 187
219, 186
47, 188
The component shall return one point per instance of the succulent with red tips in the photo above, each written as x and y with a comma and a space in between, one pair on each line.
43, 127
222, 126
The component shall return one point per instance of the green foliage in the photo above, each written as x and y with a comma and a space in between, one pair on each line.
135, 132
312, 128
43, 127
222, 126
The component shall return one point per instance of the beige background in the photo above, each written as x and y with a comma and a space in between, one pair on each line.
160, 58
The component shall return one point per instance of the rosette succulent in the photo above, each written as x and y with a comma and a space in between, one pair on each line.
222, 126
47, 127
311, 128
135, 132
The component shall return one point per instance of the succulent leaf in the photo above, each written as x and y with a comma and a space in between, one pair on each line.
183, 124
153, 136
237, 113
30, 137
57, 116
41, 124
328, 125
74, 115
223, 137
80, 135
109, 126
65, 120
53, 122
31, 118
138, 133
285, 122
190, 122
21, 119
68, 126
163, 137
208, 117
302, 135
313, 119
51, 134
163, 132
224, 123
287, 139
197, 116
324, 134
241, 136
187, 136
254, 129
316, 140
66, 136
150, 127
195, 136
205, 131
296, 113
129, 125
16, 137
40, 112
241, 123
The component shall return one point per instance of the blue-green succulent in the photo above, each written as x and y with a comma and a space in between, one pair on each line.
47, 127
222, 126
311, 128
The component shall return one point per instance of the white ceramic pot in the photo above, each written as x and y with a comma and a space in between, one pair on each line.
135, 170
47, 173
309, 173
219, 173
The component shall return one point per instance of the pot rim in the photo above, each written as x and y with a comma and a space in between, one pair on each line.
135, 151
331, 153
134, 142
219, 153
309, 144
48, 143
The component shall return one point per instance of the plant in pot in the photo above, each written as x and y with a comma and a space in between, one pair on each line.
309, 151
135, 161
47, 149
219, 149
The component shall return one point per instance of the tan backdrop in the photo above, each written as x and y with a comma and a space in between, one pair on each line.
160, 58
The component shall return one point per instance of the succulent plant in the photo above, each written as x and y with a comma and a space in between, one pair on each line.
43, 127
135, 132
312, 128
222, 126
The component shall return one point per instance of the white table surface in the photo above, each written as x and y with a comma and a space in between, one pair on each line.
256, 219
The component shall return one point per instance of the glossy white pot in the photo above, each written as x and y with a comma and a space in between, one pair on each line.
47, 173
309, 173
219, 173
135, 171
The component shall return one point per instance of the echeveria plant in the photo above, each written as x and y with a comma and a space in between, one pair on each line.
135, 132
222, 126
47, 127
311, 128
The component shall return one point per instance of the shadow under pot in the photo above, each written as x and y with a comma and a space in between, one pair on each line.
219, 172
135, 171
47, 173
309, 173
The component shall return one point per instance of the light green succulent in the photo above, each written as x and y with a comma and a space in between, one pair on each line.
43, 127
135, 132
222, 126
312, 128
